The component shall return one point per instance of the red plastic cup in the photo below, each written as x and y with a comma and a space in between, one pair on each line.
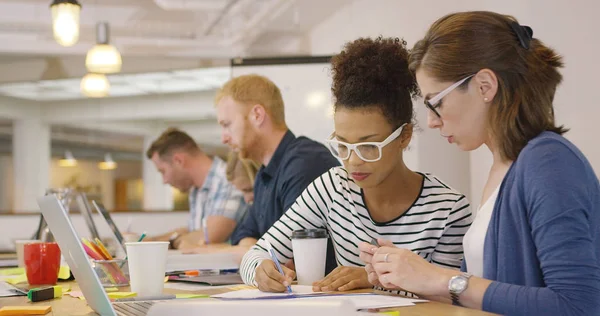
42, 263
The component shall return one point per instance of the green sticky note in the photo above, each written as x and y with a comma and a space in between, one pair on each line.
111, 289
190, 295
12, 271
391, 313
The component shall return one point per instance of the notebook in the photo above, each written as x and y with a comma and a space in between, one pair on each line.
211, 280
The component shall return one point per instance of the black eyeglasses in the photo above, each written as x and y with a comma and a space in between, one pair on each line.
434, 103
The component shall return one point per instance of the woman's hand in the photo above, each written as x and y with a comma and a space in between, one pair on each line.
402, 268
366, 255
343, 279
269, 279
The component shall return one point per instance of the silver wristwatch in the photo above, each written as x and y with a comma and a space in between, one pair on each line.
457, 285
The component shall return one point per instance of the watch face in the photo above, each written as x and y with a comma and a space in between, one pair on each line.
458, 283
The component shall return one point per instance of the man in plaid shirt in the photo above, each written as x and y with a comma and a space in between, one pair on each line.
213, 200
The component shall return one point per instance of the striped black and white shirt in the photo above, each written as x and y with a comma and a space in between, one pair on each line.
433, 226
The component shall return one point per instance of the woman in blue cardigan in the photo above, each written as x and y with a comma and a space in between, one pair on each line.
534, 247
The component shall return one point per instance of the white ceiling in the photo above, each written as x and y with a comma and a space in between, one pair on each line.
122, 85
175, 47
177, 28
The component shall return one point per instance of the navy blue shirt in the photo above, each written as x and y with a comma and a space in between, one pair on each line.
297, 161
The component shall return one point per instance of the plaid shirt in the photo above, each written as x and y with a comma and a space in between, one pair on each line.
216, 197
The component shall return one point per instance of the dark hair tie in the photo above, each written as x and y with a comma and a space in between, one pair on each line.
524, 33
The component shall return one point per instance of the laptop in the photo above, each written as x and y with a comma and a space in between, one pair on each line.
89, 283
106, 215
72, 250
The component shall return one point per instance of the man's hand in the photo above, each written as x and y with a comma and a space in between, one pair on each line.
343, 279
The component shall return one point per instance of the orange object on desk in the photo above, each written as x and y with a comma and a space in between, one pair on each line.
24, 310
192, 273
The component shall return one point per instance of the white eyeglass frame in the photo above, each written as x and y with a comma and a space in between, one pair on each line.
353, 147
432, 103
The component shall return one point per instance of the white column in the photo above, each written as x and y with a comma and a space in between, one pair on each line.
107, 186
31, 162
157, 195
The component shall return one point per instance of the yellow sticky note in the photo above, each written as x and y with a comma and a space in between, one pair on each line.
17, 279
25, 310
391, 313
186, 295
66, 288
166, 279
64, 272
12, 271
116, 295
111, 289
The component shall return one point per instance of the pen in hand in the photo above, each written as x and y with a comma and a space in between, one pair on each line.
374, 242
277, 264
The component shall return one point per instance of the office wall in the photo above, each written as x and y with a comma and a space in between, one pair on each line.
569, 27
15, 227
85, 174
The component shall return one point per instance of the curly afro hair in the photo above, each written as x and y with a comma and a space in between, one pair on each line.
374, 73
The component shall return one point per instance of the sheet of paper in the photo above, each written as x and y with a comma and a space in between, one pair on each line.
188, 295
192, 287
256, 293
370, 301
305, 293
8, 290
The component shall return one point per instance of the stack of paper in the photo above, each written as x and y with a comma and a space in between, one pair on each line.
359, 300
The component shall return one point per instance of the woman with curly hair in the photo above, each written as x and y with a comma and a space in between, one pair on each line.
374, 195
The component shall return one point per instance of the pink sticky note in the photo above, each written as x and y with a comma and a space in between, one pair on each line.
76, 294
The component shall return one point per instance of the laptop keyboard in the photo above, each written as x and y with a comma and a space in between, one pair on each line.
133, 308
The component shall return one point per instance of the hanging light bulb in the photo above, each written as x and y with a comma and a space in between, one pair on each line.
65, 21
108, 163
95, 85
103, 58
68, 160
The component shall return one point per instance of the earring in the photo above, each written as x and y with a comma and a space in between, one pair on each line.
486, 99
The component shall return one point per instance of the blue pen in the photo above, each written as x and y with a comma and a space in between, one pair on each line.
277, 264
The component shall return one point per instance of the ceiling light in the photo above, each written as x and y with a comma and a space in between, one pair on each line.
103, 58
95, 85
65, 21
68, 160
108, 163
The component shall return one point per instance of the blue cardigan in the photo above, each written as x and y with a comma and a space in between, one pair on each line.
542, 248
